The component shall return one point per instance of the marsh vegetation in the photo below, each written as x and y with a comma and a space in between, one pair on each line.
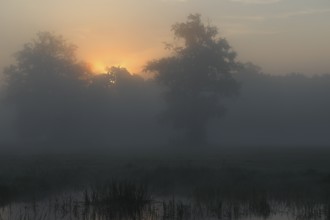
225, 185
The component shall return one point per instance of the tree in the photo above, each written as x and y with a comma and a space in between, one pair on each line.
46, 86
195, 76
111, 97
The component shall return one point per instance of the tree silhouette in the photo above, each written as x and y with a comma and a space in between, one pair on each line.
46, 86
196, 76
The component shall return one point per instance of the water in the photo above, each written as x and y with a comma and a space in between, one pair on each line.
72, 206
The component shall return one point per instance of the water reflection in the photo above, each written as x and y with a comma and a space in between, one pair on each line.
123, 202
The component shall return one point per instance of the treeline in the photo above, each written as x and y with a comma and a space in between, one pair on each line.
49, 99
277, 110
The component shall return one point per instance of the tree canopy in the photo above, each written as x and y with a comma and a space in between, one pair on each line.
196, 76
60, 101
45, 85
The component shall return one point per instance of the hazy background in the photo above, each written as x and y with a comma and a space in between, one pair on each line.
232, 119
274, 106
281, 36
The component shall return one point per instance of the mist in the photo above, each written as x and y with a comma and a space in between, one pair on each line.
269, 111
289, 111
196, 132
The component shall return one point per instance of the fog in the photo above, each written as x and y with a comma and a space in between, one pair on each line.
52, 101
291, 110
194, 132
280, 36
272, 111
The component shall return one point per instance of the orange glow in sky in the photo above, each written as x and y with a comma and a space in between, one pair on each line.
101, 54
280, 36
98, 66
119, 48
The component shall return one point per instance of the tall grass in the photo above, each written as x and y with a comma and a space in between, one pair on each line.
118, 199
197, 190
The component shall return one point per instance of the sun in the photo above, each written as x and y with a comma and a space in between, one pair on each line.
98, 67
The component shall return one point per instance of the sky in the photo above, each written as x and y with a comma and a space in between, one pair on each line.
281, 36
